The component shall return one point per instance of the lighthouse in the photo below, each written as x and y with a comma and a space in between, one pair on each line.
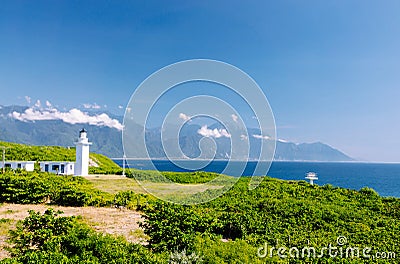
82, 154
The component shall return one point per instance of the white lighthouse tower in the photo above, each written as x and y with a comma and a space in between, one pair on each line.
82, 154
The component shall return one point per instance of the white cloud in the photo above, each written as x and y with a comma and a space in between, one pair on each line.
243, 137
283, 141
48, 104
38, 104
216, 133
120, 107
234, 118
184, 117
91, 106
261, 137
73, 116
28, 99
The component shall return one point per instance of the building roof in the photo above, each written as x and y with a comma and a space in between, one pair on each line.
18, 161
58, 162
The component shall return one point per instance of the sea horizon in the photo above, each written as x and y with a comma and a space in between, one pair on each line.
305, 161
382, 177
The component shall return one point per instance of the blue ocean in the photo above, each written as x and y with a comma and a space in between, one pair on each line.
382, 177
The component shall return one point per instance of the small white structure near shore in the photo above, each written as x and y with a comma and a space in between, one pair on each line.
23, 165
311, 176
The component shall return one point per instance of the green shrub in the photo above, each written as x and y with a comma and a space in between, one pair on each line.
173, 227
184, 258
216, 251
40, 187
369, 192
131, 200
196, 177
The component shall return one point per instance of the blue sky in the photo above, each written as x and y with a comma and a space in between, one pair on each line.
330, 69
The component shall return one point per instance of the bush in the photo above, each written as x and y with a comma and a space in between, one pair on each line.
184, 258
174, 227
131, 200
166, 176
214, 250
40, 187
369, 192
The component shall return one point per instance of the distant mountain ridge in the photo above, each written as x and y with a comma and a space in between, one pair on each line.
108, 140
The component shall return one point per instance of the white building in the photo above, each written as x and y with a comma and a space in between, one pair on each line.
82, 154
24, 165
58, 167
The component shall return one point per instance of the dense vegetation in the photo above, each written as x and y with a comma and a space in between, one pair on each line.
51, 239
280, 214
229, 229
40, 187
22, 152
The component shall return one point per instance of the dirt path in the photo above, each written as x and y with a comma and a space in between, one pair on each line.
106, 220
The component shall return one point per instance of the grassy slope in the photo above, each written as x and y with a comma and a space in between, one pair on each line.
21, 152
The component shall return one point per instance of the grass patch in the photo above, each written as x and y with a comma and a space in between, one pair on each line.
139, 234
5, 226
114, 184
196, 177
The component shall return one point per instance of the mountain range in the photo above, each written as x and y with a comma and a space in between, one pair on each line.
22, 124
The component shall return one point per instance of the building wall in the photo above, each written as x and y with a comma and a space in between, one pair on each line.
58, 167
82, 159
78, 159
25, 165
30, 166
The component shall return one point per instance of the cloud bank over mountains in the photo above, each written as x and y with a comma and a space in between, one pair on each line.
73, 116
216, 133
27, 125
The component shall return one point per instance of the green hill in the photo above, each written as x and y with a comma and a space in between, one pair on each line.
100, 163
